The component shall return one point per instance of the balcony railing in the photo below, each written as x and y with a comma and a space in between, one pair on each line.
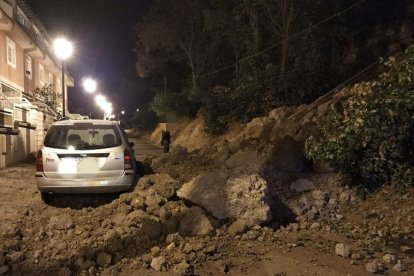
5, 102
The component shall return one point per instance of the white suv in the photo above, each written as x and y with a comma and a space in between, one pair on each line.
85, 156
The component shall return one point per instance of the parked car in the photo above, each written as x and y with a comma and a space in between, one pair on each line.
85, 156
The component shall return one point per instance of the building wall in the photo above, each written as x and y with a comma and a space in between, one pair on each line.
15, 148
10, 75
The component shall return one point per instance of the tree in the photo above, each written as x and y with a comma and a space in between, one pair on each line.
172, 32
48, 96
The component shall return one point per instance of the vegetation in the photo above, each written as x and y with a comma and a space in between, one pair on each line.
370, 134
239, 59
144, 119
48, 96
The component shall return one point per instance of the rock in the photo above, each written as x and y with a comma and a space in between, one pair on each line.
103, 259
183, 269
298, 211
151, 228
344, 197
171, 246
399, 266
16, 257
174, 238
3, 269
170, 225
195, 223
319, 203
388, 258
288, 156
245, 162
304, 203
332, 202
302, 185
134, 218
61, 222
342, 250
209, 192
86, 252
237, 227
155, 250
356, 256
2, 258
159, 264
118, 219
249, 199
65, 271
315, 226
153, 200
374, 267
280, 113
138, 203
319, 195
259, 128
312, 214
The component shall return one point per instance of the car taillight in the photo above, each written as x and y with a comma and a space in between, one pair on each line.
39, 161
127, 160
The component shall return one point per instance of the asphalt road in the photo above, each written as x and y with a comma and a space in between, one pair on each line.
144, 148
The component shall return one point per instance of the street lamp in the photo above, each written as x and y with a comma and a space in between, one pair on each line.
89, 85
63, 50
104, 105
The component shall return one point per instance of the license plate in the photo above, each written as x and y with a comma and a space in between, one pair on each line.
88, 165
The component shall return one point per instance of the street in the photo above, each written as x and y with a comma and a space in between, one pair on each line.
144, 148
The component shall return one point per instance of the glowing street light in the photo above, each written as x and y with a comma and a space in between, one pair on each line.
89, 85
63, 50
104, 105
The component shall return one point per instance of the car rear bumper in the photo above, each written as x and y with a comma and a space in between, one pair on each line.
78, 186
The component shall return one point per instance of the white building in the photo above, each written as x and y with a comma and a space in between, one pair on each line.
27, 62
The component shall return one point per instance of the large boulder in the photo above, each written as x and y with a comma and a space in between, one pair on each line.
208, 191
244, 197
259, 128
249, 199
245, 162
280, 113
288, 156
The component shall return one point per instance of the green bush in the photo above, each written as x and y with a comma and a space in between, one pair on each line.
369, 135
172, 102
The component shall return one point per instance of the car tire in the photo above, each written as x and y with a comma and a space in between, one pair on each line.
47, 197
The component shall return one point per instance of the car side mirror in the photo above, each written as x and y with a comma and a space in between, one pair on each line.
131, 144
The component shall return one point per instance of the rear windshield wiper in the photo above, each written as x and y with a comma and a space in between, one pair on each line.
56, 147
92, 147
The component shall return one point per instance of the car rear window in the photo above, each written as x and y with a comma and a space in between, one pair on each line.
83, 136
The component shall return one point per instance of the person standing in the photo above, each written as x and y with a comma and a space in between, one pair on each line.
166, 140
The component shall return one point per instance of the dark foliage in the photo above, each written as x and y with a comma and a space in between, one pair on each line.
239, 59
370, 134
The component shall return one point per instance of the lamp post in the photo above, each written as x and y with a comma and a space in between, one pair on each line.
89, 85
63, 50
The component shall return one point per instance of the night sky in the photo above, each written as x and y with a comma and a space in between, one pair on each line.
104, 38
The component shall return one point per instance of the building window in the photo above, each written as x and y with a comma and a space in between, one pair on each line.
51, 79
11, 53
41, 74
28, 67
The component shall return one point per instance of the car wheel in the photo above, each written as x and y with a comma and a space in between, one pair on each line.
47, 197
